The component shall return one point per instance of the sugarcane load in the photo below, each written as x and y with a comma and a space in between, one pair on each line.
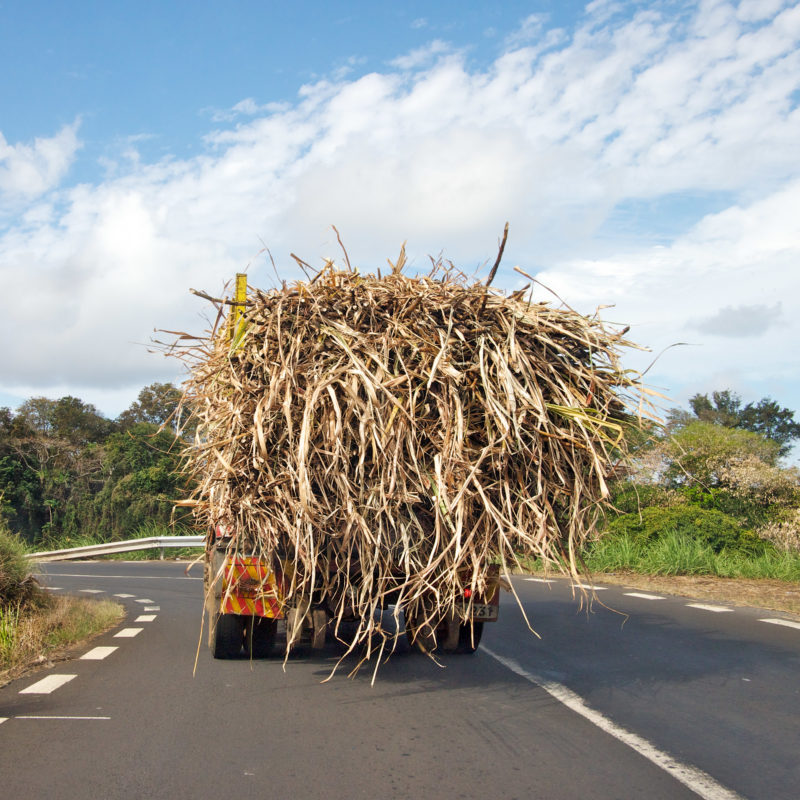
372, 444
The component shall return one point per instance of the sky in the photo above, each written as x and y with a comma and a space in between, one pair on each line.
646, 156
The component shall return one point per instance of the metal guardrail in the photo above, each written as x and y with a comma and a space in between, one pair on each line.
148, 543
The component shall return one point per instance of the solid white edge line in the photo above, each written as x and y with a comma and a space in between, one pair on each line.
787, 622
701, 783
128, 633
145, 618
704, 607
98, 653
643, 595
48, 684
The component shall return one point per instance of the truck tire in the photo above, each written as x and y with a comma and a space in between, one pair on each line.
469, 637
228, 636
259, 636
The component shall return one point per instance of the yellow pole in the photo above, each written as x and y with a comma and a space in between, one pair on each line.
237, 315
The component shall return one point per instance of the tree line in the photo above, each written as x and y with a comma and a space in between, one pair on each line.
68, 474
715, 473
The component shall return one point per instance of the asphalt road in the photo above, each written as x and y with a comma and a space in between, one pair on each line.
641, 697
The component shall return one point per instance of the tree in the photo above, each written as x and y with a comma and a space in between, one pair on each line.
725, 408
701, 452
156, 404
143, 479
67, 418
730, 470
769, 419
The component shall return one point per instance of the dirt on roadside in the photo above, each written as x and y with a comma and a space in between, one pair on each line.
769, 594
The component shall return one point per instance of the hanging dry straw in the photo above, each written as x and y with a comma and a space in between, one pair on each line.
384, 439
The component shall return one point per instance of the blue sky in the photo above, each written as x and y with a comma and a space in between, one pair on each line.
644, 154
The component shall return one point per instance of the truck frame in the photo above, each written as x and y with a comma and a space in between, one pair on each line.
246, 599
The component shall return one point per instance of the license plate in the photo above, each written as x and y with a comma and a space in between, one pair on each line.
484, 612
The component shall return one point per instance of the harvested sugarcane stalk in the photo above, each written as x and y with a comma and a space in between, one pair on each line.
384, 440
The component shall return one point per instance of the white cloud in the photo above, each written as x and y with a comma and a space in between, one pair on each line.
530, 29
421, 55
551, 136
733, 275
29, 170
741, 321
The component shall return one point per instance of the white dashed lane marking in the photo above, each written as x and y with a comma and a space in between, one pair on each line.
145, 601
92, 591
48, 684
124, 596
42, 716
98, 653
787, 622
145, 618
152, 608
128, 633
704, 607
53, 588
644, 595
3, 719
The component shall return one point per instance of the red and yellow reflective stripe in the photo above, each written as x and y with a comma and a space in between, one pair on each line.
250, 588
263, 607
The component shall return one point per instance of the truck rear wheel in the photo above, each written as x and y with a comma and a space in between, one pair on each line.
228, 636
469, 637
259, 636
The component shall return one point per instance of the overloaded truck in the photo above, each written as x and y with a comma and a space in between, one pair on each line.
378, 444
245, 603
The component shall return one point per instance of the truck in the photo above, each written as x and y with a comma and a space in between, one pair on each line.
246, 594
245, 597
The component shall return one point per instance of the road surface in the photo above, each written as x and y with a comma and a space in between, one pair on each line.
645, 696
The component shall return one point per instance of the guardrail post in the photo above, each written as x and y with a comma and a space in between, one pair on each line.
161, 553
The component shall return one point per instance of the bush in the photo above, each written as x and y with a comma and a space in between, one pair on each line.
712, 528
629, 498
17, 585
703, 454
784, 534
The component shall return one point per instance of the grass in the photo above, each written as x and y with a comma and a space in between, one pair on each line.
681, 566
34, 625
678, 554
35, 634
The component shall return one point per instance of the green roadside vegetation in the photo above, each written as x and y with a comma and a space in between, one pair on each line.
708, 501
708, 494
36, 627
707, 498
70, 477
